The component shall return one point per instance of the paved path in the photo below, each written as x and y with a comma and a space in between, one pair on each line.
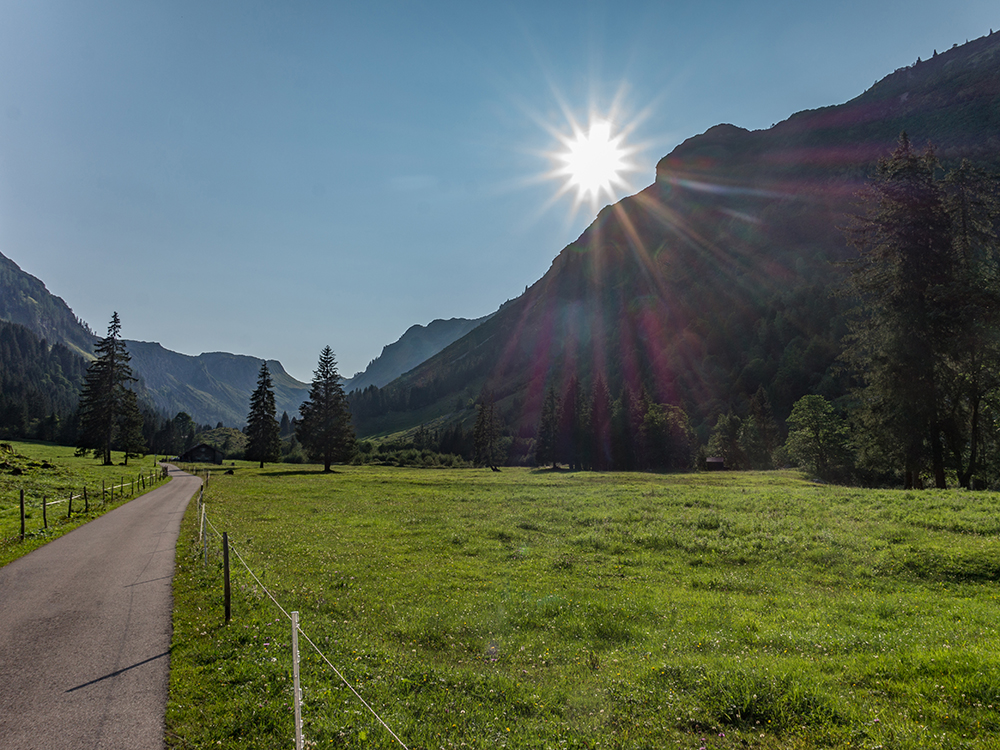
85, 630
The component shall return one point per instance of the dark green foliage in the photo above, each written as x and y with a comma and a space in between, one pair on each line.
725, 441
39, 386
487, 430
285, 427
130, 436
573, 426
25, 300
102, 401
669, 440
924, 337
601, 410
325, 429
817, 438
263, 440
545, 443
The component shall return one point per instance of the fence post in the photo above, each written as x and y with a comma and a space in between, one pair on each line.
22, 515
296, 690
225, 571
104, 492
45, 518
86, 502
69, 506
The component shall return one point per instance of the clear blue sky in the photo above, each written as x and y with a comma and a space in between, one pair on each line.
267, 178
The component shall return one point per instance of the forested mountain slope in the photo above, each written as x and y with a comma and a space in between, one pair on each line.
25, 300
716, 279
211, 388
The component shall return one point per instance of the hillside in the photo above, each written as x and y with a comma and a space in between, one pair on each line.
25, 300
717, 278
212, 387
417, 345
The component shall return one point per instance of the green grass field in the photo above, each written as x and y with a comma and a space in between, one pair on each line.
530, 609
53, 472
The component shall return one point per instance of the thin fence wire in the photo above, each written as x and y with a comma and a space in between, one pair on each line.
309, 640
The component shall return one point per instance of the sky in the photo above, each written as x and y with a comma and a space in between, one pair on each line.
269, 178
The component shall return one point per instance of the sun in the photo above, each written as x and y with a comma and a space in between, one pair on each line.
592, 162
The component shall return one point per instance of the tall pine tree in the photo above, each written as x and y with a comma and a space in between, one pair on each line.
104, 392
545, 442
263, 440
325, 429
487, 430
924, 334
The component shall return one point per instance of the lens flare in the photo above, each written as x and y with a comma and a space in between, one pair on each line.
593, 162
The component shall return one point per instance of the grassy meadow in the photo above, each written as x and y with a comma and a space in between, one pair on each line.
532, 609
54, 472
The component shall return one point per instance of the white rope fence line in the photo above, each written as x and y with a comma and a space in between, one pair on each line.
308, 639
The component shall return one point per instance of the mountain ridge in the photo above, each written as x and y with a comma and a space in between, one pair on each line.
417, 344
714, 280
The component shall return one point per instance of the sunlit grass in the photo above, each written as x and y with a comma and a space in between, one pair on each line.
53, 472
539, 609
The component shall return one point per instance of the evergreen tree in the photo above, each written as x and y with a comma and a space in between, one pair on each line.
130, 437
973, 205
103, 396
263, 442
486, 431
572, 426
601, 410
668, 437
545, 443
325, 429
724, 441
924, 335
758, 433
285, 428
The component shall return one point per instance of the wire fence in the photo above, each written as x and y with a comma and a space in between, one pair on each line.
109, 494
205, 528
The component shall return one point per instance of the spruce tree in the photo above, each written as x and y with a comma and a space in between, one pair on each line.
601, 409
103, 396
923, 335
263, 441
545, 442
486, 431
325, 429
130, 438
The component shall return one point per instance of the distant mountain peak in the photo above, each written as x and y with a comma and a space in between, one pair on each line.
418, 344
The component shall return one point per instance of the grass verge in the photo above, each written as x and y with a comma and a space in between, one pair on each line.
53, 472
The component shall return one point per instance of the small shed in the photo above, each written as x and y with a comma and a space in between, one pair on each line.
715, 463
202, 454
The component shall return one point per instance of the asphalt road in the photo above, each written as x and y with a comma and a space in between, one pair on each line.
85, 630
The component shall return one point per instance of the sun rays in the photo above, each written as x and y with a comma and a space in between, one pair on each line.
592, 161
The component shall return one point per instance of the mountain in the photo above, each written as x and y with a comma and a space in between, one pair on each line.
717, 278
25, 300
212, 387
417, 345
